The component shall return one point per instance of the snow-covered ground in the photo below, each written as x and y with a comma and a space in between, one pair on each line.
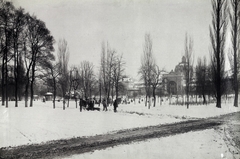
198, 145
41, 123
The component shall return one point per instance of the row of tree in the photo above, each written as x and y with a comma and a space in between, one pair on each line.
27, 58
80, 80
210, 76
26, 44
26, 47
224, 11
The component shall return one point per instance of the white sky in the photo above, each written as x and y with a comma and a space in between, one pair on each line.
85, 24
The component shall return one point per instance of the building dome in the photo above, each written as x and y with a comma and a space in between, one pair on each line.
183, 59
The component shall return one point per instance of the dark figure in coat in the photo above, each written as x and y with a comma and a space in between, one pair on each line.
81, 104
115, 105
91, 105
104, 105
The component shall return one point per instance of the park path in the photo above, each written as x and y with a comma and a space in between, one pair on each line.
60, 148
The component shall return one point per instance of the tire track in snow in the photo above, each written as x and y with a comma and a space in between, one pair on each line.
24, 135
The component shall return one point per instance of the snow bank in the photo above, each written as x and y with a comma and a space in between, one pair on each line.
194, 111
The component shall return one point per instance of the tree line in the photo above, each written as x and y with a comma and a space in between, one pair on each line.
210, 78
27, 58
26, 54
223, 12
80, 81
26, 44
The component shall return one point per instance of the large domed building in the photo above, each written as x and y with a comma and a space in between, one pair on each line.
174, 82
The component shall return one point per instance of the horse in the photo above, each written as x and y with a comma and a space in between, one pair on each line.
87, 105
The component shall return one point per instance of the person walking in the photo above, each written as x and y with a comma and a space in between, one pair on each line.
104, 105
115, 105
91, 104
81, 104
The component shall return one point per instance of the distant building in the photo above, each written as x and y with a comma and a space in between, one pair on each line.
48, 96
174, 83
171, 83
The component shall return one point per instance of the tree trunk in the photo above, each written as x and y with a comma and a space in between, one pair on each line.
69, 93
236, 99
160, 98
31, 85
32, 92
149, 103
146, 101
112, 94
26, 93
187, 96
16, 88
6, 87
235, 49
108, 94
204, 99
16, 70
100, 95
154, 98
116, 91
196, 100
218, 105
218, 48
2, 82
187, 101
75, 96
76, 101
64, 101
26, 88
54, 92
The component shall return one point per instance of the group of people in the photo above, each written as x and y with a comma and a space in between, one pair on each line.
115, 105
89, 104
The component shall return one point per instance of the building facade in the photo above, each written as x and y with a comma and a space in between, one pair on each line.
174, 83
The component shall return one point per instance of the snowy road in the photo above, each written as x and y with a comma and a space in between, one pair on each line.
82, 145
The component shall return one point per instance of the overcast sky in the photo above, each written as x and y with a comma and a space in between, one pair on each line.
85, 24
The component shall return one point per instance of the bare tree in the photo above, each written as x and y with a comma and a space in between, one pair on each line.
28, 65
118, 71
40, 43
6, 22
19, 23
87, 78
201, 78
218, 38
102, 74
147, 64
73, 83
155, 81
143, 76
51, 74
100, 85
63, 58
107, 64
189, 64
234, 21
